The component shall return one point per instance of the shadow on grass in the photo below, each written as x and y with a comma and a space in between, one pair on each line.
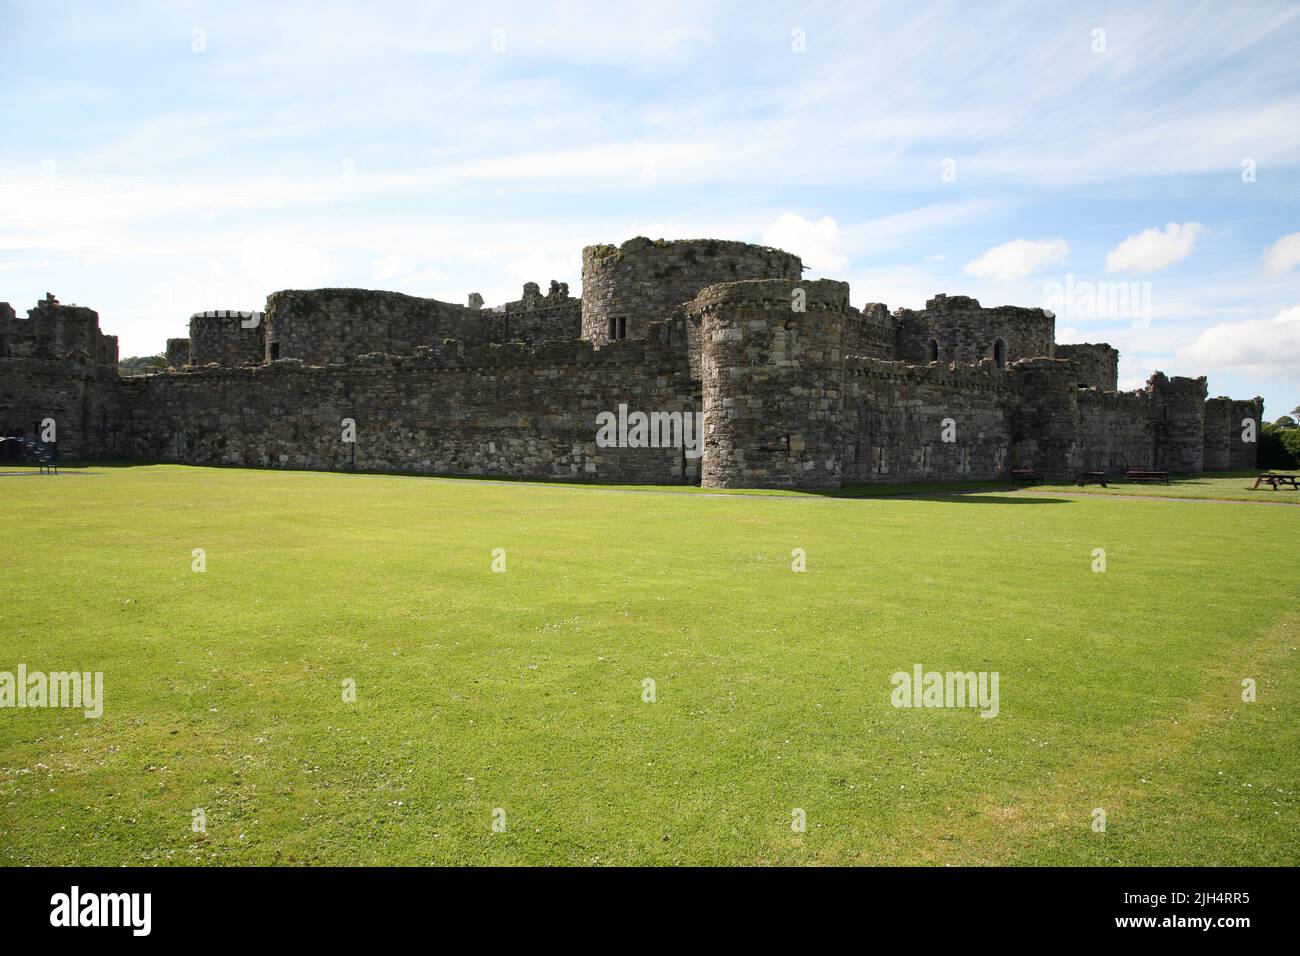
973, 492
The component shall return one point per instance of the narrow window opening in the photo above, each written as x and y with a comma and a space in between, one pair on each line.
934, 350
1000, 353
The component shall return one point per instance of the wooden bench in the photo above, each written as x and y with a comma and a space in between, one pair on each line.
48, 466
1026, 476
1139, 476
1098, 476
1273, 481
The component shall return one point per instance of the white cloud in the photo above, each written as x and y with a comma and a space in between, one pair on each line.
1262, 348
1018, 258
1152, 250
817, 243
1283, 255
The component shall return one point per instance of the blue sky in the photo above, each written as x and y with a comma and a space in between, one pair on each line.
162, 158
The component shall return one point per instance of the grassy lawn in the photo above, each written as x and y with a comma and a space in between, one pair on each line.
523, 690
1222, 485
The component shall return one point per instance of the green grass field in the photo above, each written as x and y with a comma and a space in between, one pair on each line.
1220, 486
523, 690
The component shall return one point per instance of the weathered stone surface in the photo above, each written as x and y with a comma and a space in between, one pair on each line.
1098, 364
53, 330
1243, 453
895, 421
1179, 422
959, 330
227, 337
1218, 432
510, 410
796, 387
334, 326
642, 281
772, 368
178, 353
1045, 421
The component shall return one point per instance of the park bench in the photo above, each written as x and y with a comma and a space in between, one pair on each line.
1026, 476
1098, 476
1273, 481
1139, 476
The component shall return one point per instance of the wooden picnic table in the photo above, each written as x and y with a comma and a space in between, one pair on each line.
1098, 476
1274, 480
1140, 476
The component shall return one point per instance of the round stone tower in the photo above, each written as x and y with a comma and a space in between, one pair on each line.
626, 287
772, 375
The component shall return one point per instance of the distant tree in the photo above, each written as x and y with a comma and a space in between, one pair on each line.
1291, 442
1286, 421
1279, 447
141, 364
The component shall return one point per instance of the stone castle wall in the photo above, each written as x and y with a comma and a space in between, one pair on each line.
1241, 453
1098, 364
227, 337
53, 330
870, 332
1116, 430
177, 353
1045, 420
894, 421
1179, 423
796, 388
1226, 445
334, 326
965, 332
1218, 431
511, 410
91, 413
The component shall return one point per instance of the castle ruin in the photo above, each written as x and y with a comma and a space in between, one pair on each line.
797, 388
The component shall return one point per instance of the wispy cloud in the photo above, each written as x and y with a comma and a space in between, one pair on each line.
1283, 255
440, 150
1154, 249
1018, 258
1259, 348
